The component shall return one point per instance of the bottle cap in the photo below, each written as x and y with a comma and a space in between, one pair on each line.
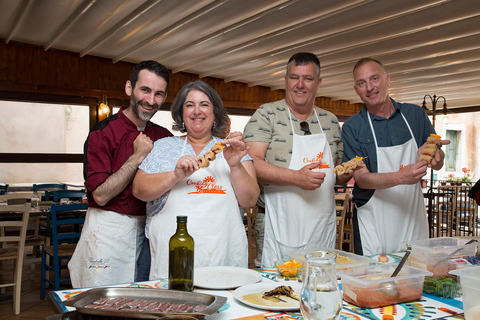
181, 219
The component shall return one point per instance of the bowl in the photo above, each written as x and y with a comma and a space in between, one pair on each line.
470, 282
365, 286
288, 267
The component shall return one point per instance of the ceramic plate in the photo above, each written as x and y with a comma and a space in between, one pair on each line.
246, 295
225, 277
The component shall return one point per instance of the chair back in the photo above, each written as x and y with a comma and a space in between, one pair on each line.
66, 223
47, 187
66, 194
3, 188
16, 198
12, 241
341, 206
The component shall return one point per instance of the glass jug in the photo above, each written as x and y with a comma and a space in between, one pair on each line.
320, 298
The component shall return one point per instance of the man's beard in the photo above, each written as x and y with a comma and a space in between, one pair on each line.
144, 116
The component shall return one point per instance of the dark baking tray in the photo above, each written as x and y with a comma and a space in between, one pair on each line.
79, 302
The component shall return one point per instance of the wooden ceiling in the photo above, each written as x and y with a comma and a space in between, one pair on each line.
428, 46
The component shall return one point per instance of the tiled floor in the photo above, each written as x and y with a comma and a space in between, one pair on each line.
31, 307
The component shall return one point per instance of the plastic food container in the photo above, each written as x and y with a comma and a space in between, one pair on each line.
470, 281
434, 254
365, 286
345, 259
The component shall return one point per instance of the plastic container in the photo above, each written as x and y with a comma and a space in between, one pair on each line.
470, 281
434, 254
363, 286
345, 259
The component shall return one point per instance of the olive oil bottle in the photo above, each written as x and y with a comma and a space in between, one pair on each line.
180, 264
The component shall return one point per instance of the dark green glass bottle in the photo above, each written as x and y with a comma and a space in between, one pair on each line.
180, 264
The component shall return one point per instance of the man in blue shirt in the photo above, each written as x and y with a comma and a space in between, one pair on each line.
389, 206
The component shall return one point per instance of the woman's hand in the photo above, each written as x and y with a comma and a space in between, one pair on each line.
185, 167
235, 148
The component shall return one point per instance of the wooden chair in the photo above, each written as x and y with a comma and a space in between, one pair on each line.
251, 214
63, 242
15, 230
445, 210
348, 228
341, 205
34, 240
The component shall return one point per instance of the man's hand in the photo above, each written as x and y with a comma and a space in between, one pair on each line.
413, 173
308, 179
142, 146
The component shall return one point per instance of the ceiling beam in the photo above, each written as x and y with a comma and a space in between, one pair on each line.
24, 7
69, 21
122, 23
267, 10
164, 32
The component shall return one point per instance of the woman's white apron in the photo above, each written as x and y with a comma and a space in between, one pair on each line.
394, 215
214, 220
297, 219
107, 250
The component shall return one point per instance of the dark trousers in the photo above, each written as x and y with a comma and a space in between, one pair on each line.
142, 272
357, 240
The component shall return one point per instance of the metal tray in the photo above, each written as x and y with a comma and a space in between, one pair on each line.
212, 302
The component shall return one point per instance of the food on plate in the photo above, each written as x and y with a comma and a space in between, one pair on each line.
263, 300
289, 268
430, 148
346, 166
280, 291
142, 305
210, 155
441, 286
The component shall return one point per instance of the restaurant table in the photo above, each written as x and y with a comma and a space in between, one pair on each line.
428, 307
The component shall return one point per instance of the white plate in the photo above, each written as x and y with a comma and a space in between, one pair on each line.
225, 277
291, 304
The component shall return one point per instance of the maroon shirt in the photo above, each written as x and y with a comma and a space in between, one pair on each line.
108, 146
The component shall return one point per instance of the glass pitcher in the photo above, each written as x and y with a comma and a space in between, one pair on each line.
320, 298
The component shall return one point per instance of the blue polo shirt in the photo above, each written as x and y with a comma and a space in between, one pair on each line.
358, 139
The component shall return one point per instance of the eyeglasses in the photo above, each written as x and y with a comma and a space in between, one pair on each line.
305, 128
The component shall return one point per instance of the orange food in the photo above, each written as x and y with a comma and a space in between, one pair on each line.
289, 268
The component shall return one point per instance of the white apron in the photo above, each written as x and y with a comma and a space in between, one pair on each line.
107, 250
214, 220
297, 219
394, 215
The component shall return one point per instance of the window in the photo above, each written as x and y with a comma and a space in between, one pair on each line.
451, 150
42, 128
